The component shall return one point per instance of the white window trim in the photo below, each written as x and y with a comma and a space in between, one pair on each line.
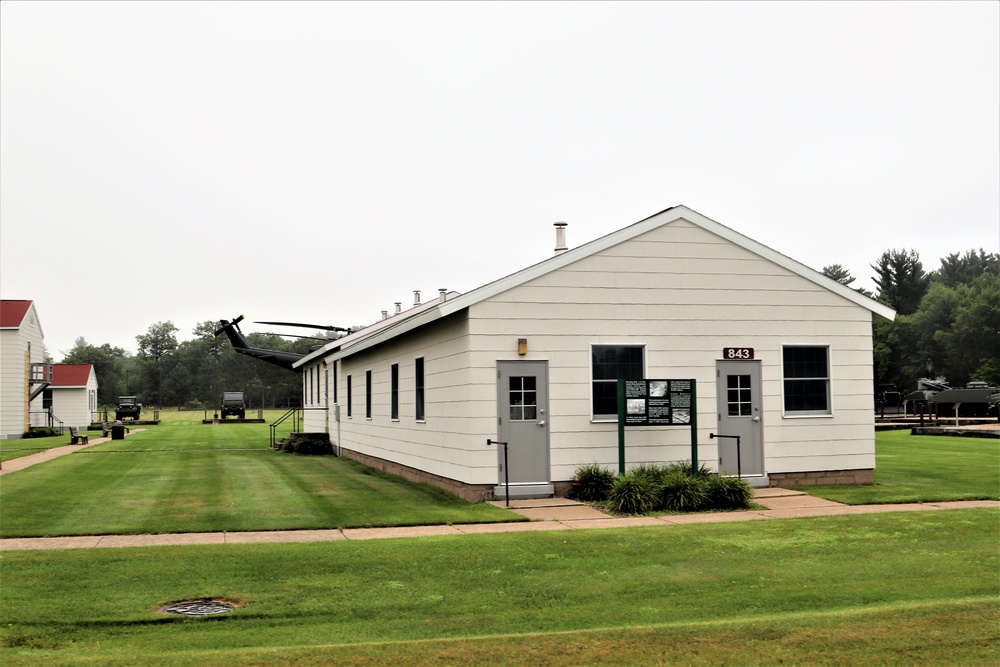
590, 376
811, 414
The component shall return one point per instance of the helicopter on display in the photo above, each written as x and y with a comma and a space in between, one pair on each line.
275, 357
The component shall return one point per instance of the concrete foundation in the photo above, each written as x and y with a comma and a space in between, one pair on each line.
472, 493
822, 477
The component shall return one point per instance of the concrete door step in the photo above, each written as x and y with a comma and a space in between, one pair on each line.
528, 503
776, 492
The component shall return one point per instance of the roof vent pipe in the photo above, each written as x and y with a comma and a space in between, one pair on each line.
442, 294
399, 307
385, 314
416, 297
560, 237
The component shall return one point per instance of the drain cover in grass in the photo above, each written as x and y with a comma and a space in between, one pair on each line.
198, 607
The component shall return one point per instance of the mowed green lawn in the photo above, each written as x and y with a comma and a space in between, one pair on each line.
900, 588
15, 449
184, 476
925, 468
913, 588
191, 477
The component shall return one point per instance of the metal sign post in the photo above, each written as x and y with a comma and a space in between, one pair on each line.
657, 403
506, 470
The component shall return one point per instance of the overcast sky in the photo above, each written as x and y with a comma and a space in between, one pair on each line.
317, 162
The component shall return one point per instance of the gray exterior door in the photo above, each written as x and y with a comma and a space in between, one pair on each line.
738, 395
522, 421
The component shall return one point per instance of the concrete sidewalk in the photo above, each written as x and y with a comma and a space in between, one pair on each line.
545, 514
22, 462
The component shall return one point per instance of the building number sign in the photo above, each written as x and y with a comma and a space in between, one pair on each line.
737, 353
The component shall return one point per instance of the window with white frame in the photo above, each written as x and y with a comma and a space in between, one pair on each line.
806, 374
608, 363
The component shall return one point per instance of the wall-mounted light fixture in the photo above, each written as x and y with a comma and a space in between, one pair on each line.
522, 346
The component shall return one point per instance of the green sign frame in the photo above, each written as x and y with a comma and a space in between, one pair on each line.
665, 402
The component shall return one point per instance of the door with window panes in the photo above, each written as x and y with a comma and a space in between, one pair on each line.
522, 421
739, 407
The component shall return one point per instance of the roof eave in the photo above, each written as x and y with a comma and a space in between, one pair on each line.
666, 216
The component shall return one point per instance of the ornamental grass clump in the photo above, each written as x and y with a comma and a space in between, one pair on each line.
728, 493
687, 468
680, 491
592, 483
674, 487
650, 472
632, 494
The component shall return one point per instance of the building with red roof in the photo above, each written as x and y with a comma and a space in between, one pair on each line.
72, 396
22, 372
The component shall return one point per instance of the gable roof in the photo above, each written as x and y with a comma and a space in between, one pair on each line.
12, 312
417, 317
71, 375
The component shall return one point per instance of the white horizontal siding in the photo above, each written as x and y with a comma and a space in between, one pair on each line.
459, 405
685, 301
682, 292
13, 344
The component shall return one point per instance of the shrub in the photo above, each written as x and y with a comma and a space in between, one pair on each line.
728, 493
310, 445
682, 492
650, 472
686, 468
592, 483
631, 494
40, 432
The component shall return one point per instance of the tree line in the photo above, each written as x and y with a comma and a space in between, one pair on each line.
191, 373
947, 325
948, 321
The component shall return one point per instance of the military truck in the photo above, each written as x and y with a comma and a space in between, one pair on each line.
233, 405
127, 408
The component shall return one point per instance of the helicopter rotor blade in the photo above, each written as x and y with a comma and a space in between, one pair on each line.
325, 340
321, 327
225, 324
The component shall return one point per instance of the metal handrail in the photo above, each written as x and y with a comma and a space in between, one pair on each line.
292, 412
50, 419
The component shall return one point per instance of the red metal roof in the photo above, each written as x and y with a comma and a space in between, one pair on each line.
70, 375
12, 312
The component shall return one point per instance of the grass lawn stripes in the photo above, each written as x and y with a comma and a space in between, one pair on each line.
14, 449
204, 478
915, 587
925, 468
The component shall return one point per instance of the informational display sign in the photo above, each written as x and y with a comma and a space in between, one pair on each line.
658, 402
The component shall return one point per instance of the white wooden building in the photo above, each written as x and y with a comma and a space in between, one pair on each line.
781, 355
22, 353
72, 395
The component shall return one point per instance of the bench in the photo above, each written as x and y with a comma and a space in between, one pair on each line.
75, 438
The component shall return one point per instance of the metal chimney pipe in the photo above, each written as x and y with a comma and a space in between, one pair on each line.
416, 297
399, 307
560, 237
442, 294
385, 314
